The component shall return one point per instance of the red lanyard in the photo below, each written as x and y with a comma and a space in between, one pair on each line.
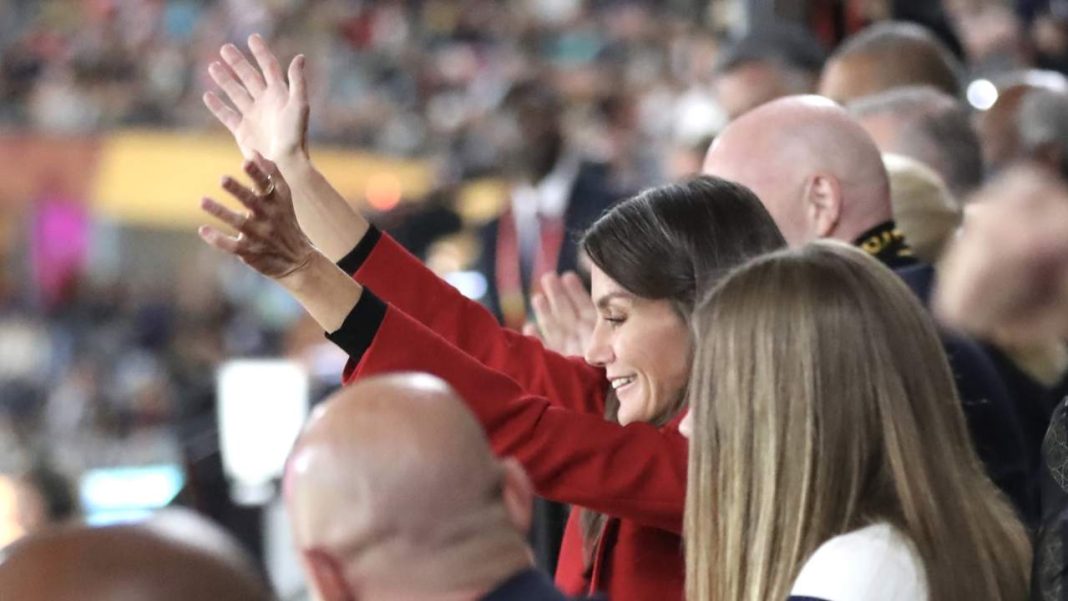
510, 288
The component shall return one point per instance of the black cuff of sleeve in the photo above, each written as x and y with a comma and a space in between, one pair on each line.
358, 330
352, 262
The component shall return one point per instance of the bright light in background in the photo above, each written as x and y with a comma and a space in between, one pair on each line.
471, 284
126, 494
262, 406
11, 528
384, 191
982, 94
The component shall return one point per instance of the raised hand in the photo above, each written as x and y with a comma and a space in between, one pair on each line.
269, 239
564, 314
265, 114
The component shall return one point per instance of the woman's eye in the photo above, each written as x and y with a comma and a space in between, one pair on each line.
615, 321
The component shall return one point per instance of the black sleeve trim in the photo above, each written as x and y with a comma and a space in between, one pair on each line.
352, 262
358, 330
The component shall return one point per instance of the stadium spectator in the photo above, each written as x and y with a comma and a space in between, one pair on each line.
821, 176
929, 126
889, 55
176, 558
394, 492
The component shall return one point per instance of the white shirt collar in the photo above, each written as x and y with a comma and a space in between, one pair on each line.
549, 196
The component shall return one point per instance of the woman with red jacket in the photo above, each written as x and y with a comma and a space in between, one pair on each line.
653, 255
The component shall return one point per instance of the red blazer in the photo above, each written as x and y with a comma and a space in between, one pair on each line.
542, 408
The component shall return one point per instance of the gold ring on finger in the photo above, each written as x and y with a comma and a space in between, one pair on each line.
270, 187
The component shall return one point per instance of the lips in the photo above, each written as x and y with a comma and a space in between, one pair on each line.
620, 382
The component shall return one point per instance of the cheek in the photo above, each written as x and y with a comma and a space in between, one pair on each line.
666, 366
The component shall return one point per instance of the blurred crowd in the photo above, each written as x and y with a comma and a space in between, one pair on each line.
403, 78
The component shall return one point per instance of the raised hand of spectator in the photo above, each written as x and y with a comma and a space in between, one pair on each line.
267, 115
1006, 274
564, 314
269, 239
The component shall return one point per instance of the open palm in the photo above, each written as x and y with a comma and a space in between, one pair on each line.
265, 114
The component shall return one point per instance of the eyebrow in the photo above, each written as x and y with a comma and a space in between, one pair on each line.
602, 302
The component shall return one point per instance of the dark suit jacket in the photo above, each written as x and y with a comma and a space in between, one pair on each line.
528, 585
591, 195
993, 411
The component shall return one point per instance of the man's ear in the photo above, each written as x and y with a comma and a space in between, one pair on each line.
327, 576
518, 494
823, 204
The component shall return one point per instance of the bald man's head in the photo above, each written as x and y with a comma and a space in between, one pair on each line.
815, 169
393, 487
889, 55
188, 559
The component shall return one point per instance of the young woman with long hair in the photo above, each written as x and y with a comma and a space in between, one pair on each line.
829, 456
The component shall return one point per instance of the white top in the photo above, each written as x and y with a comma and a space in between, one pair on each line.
874, 563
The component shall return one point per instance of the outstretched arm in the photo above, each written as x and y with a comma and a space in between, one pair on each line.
270, 242
636, 471
269, 115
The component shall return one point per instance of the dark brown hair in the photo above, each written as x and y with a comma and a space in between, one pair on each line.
674, 242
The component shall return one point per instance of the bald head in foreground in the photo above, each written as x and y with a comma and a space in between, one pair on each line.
176, 557
817, 171
394, 493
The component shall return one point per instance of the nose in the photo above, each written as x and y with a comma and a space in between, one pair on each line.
598, 350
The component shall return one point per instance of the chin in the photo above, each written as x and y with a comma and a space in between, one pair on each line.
627, 416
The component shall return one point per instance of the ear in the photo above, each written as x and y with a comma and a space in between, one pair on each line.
326, 576
823, 204
518, 494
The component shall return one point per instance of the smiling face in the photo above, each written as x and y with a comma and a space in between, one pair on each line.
643, 346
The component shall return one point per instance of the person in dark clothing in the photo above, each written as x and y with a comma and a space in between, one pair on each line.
554, 195
810, 145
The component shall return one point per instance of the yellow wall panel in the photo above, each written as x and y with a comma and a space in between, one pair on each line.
158, 178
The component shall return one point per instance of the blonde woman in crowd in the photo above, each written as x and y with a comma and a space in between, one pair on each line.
829, 457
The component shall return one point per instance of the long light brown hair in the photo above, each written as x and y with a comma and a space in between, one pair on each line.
823, 402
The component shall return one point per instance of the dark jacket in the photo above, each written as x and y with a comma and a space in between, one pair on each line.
993, 411
528, 585
591, 195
